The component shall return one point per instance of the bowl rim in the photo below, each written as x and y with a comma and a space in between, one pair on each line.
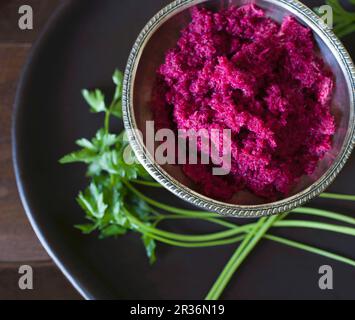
170, 183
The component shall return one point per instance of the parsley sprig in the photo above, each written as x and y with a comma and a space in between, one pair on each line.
106, 199
114, 203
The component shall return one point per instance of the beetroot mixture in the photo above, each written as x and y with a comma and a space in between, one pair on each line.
237, 69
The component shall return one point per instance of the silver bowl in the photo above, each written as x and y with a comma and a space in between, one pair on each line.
161, 33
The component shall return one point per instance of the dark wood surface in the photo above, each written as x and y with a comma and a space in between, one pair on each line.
18, 242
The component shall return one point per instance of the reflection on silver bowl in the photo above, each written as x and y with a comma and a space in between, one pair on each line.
161, 33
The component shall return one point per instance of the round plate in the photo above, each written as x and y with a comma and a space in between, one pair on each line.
80, 47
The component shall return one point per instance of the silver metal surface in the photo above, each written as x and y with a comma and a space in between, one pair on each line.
162, 32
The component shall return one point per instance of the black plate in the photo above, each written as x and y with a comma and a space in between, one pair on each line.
81, 46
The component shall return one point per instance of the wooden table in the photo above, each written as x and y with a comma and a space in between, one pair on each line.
18, 243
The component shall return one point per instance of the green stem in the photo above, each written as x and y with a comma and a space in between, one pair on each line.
107, 121
325, 214
202, 214
197, 244
219, 281
335, 196
147, 183
311, 249
240, 255
287, 242
304, 210
240, 229
170, 208
315, 225
186, 238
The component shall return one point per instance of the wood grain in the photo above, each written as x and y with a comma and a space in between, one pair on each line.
18, 242
17, 238
48, 283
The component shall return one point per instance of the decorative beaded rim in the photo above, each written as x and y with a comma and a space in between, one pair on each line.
183, 192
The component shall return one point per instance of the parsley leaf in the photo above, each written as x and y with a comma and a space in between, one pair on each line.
86, 228
112, 231
95, 99
85, 155
150, 247
92, 202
